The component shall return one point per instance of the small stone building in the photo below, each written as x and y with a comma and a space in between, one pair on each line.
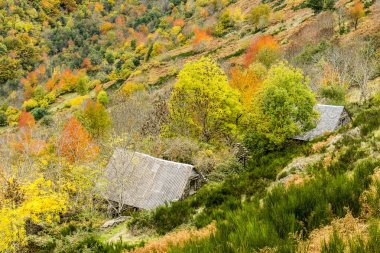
331, 118
141, 181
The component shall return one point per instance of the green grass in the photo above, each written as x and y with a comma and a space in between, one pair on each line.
107, 234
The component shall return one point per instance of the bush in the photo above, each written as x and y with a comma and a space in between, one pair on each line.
50, 97
12, 115
81, 87
166, 218
335, 94
75, 101
29, 105
319, 5
368, 119
47, 121
180, 149
224, 25
38, 113
259, 15
3, 119
103, 98
257, 143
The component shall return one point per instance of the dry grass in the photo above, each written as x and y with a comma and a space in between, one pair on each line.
296, 180
347, 227
317, 147
176, 238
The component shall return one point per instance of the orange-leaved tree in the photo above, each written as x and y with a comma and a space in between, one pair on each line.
246, 82
68, 80
357, 12
31, 81
264, 49
201, 35
75, 143
25, 143
26, 120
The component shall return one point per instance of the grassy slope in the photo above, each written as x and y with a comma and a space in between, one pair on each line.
333, 188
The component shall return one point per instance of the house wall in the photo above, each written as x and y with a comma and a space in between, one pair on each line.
193, 185
344, 119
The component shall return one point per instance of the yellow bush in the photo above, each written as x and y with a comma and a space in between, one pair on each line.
29, 104
12, 115
130, 88
76, 101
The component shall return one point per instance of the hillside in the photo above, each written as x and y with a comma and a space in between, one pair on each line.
223, 85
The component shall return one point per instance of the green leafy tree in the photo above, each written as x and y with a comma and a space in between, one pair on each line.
3, 119
283, 107
202, 104
9, 69
319, 5
82, 88
103, 98
259, 15
95, 119
224, 25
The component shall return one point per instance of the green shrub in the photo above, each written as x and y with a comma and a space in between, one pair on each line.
310, 51
39, 113
166, 218
224, 25
81, 87
103, 98
319, 5
259, 15
47, 121
335, 94
368, 119
3, 119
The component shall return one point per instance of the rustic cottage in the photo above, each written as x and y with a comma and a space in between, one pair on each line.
144, 182
331, 118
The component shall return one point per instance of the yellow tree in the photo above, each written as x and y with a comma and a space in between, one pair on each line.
202, 104
35, 201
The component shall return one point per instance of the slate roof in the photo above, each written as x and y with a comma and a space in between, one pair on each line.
328, 121
144, 181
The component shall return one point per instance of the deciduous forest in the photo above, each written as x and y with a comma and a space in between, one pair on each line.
275, 104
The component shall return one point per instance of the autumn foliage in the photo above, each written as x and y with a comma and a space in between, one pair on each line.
75, 143
25, 143
179, 22
357, 12
260, 44
246, 82
67, 80
201, 35
26, 120
32, 80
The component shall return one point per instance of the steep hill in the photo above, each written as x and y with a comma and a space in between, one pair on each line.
224, 85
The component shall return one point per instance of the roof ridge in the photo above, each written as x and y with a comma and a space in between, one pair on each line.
331, 105
160, 159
